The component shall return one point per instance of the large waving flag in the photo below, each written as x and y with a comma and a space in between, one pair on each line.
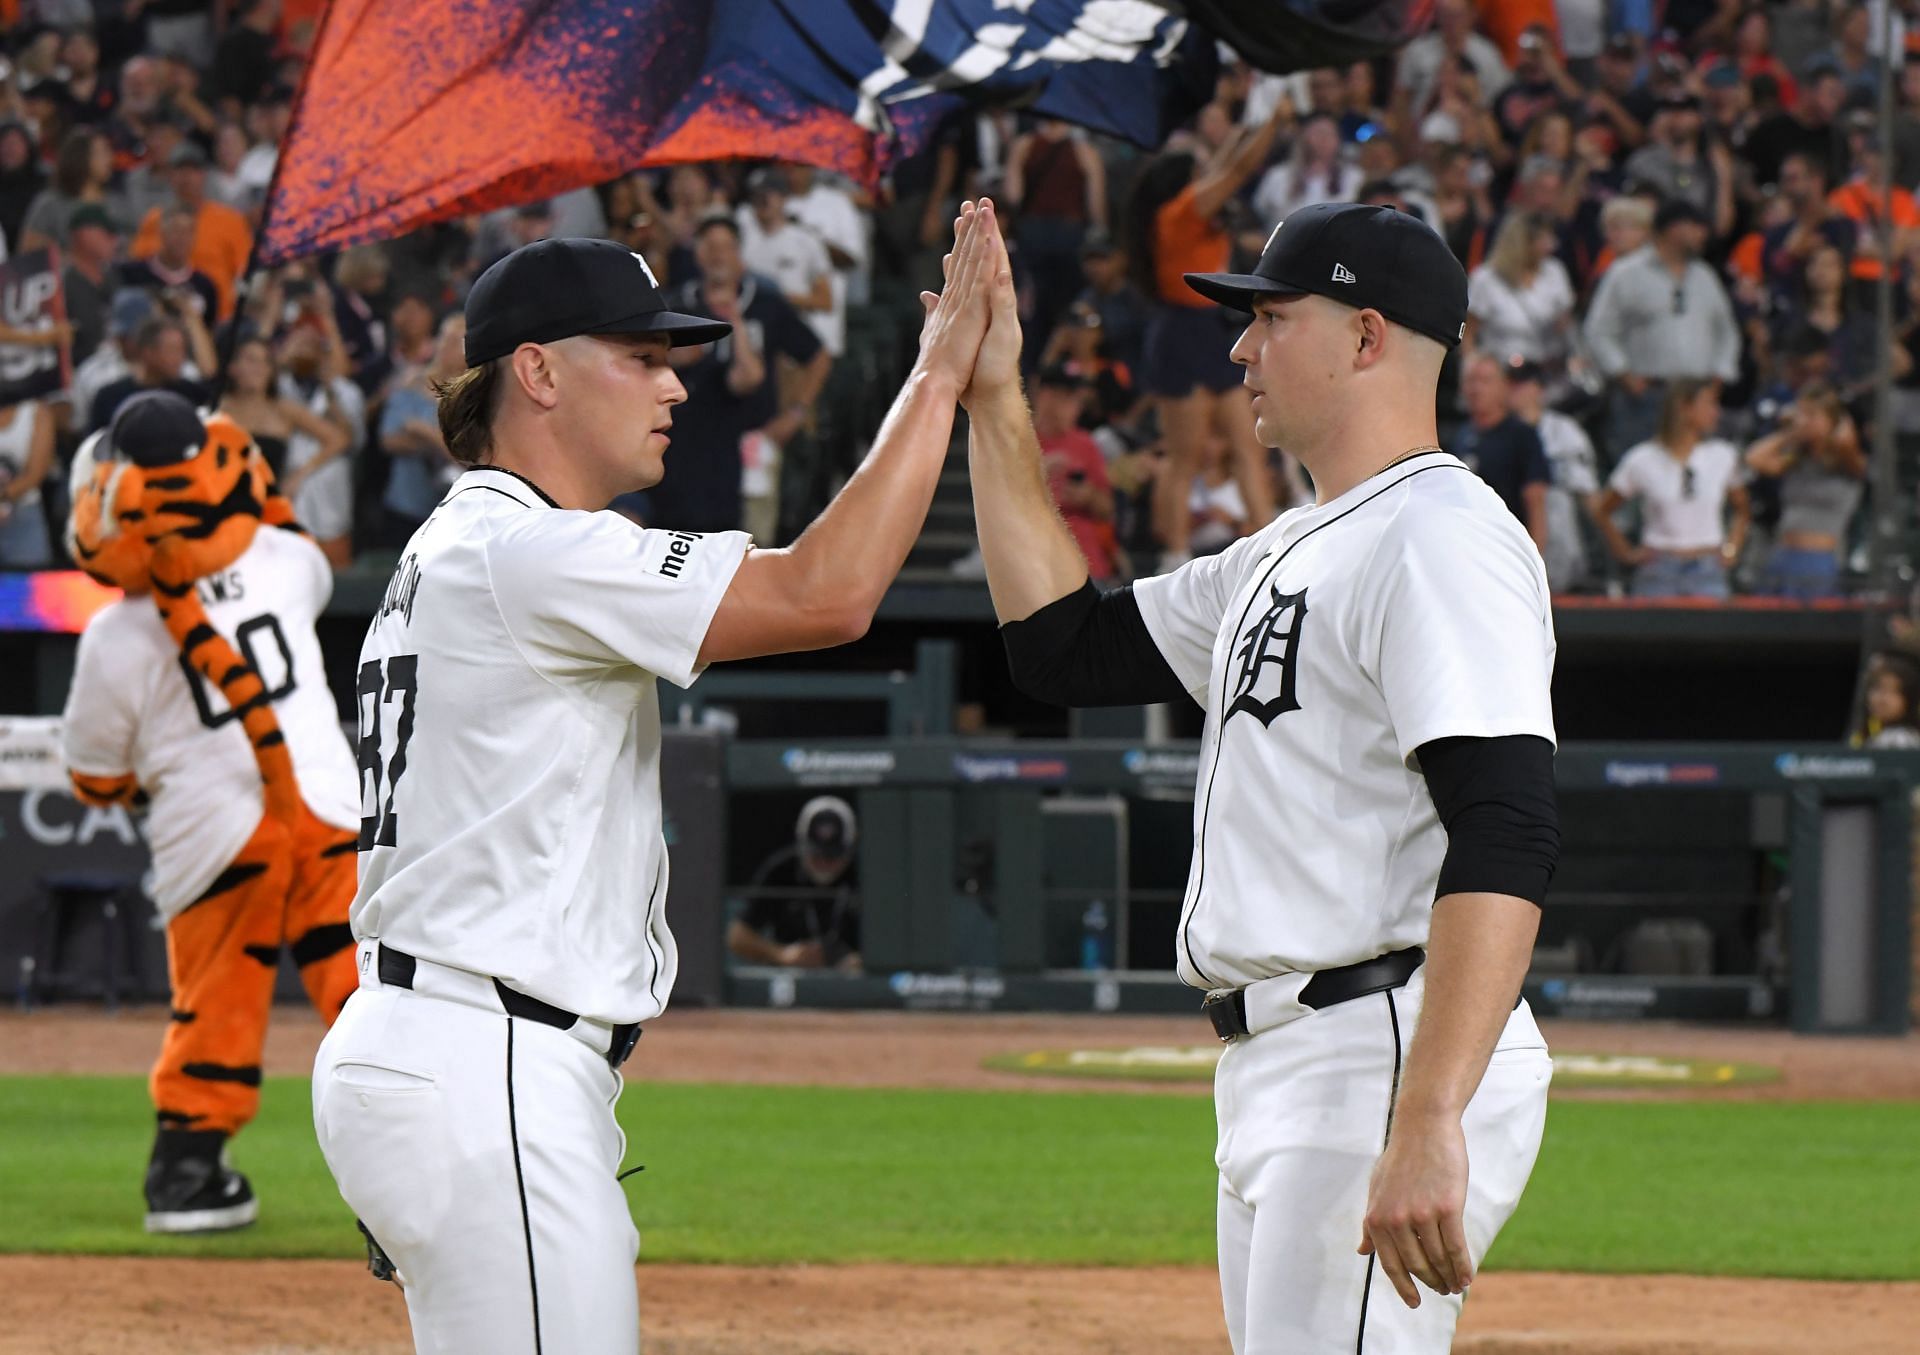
416, 111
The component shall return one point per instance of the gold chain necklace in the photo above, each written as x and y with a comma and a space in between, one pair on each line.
1408, 455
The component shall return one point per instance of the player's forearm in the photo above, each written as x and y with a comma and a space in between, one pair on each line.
748, 945
1030, 555
856, 546
1477, 957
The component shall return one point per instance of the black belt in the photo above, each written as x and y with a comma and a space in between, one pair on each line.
396, 971
1228, 1011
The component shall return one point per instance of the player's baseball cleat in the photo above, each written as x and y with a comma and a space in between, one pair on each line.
198, 1195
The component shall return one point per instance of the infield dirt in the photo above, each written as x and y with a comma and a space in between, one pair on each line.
81, 1305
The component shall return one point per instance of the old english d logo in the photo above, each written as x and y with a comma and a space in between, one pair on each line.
1267, 655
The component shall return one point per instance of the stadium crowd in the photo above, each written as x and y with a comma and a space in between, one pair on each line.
1669, 214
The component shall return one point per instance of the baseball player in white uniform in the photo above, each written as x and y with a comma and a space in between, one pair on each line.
511, 914
1374, 822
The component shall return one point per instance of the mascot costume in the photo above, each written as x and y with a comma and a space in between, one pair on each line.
200, 698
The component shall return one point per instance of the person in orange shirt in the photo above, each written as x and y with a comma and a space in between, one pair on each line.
222, 242
1859, 200
1173, 217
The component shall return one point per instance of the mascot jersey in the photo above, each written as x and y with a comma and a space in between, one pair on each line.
136, 707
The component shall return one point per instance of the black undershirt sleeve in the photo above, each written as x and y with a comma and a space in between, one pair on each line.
1495, 799
1089, 649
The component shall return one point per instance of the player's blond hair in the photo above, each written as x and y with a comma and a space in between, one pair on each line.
467, 404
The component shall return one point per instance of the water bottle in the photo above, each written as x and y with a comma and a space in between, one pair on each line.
1096, 938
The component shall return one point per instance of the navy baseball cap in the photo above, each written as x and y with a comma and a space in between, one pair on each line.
155, 428
555, 289
1365, 257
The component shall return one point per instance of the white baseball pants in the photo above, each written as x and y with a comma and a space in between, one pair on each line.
481, 1151
1302, 1112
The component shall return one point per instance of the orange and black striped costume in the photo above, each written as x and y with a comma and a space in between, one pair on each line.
158, 530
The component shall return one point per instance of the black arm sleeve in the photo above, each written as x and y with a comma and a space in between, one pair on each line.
1495, 799
1089, 649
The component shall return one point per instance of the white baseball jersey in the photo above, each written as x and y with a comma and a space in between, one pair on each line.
135, 706
510, 742
1325, 649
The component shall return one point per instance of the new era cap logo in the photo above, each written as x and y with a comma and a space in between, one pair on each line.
1340, 274
652, 281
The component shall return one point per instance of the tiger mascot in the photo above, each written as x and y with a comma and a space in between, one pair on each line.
200, 696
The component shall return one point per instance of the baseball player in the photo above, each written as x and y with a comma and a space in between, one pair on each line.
511, 923
1374, 822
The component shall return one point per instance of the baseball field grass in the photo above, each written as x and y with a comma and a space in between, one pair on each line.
759, 1175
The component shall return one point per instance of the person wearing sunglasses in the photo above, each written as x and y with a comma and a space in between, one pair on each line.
1693, 504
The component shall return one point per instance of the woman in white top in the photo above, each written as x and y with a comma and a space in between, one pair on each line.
1314, 172
26, 454
1684, 480
1520, 301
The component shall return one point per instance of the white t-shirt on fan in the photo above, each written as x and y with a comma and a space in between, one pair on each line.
510, 742
1325, 649
1682, 503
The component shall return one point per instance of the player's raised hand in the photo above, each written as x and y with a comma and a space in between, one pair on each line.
998, 366
1416, 1205
957, 318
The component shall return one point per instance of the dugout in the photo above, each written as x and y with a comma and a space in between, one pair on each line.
1711, 882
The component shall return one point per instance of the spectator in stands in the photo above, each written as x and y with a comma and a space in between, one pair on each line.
734, 387
1821, 307
1462, 207
1858, 68
1501, 448
88, 283
1753, 52
159, 352
775, 246
92, 97
1807, 126
1520, 301
416, 338
1618, 96
1056, 185
359, 312
1890, 713
222, 242
81, 174
1685, 481
1626, 225
225, 182
1678, 164
20, 181
1076, 471
1174, 209
266, 125
148, 185
827, 209
314, 373
26, 455
1886, 227
1216, 510
170, 270
1314, 171
1112, 295
1451, 39
253, 397
420, 468
110, 360
1575, 478
243, 63
1816, 457
1657, 316
805, 909
1540, 83
1815, 222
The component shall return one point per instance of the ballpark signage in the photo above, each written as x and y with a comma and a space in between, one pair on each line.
839, 767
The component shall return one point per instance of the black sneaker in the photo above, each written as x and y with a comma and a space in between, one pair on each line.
196, 1191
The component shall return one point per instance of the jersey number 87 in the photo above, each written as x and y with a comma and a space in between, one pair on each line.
381, 680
